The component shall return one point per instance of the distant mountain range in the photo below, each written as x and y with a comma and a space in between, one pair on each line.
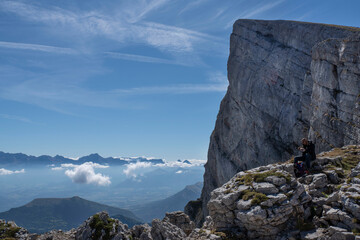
44, 214
23, 159
157, 209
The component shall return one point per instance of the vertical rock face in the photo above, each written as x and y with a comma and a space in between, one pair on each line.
335, 70
280, 90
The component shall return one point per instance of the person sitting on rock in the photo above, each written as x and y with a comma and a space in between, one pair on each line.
308, 152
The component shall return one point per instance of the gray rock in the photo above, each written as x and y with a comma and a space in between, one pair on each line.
87, 230
141, 232
202, 234
343, 236
319, 181
315, 235
352, 206
181, 220
333, 176
286, 82
277, 181
266, 188
273, 199
162, 230
243, 205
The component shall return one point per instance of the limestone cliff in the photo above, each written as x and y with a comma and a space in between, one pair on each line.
287, 80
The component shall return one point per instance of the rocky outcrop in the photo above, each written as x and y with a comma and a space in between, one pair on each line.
175, 225
287, 80
268, 202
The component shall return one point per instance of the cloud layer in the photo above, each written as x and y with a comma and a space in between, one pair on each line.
85, 173
131, 169
4, 171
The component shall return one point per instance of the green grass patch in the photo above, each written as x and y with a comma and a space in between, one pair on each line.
100, 225
356, 231
8, 232
324, 194
256, 198
357, 199
350, 159
249, 178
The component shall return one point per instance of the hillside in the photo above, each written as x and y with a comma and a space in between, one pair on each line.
176, 202
44, 214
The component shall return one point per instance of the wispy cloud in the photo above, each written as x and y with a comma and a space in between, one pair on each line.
218, 77
176, 89
143, 8
304, 16
4, 171
125, 30
192, 5
14, 117
37, 47
85, 173
258, 10
63, 89
140, 58
58, 95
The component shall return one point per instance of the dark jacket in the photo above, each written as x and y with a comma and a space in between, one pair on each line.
310, 149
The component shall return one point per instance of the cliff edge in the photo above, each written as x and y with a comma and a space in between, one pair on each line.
287, 80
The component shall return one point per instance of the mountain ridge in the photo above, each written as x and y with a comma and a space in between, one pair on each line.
45, 214
9, 159
175, 202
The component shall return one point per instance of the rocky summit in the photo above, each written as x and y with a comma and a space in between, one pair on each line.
266, 202
287, 80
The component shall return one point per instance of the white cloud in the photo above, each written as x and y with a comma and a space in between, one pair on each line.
4, 171
130, 170
72, 158
140, 58
57, 168
218, 77
93, 165
192, 5
132, 167
175, 89
85, 173
143, 8
126, 27
193, 163
14, 117
37, 47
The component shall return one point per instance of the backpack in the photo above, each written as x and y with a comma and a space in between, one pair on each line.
300, 169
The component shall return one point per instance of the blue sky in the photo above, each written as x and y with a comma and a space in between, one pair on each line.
128, 77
